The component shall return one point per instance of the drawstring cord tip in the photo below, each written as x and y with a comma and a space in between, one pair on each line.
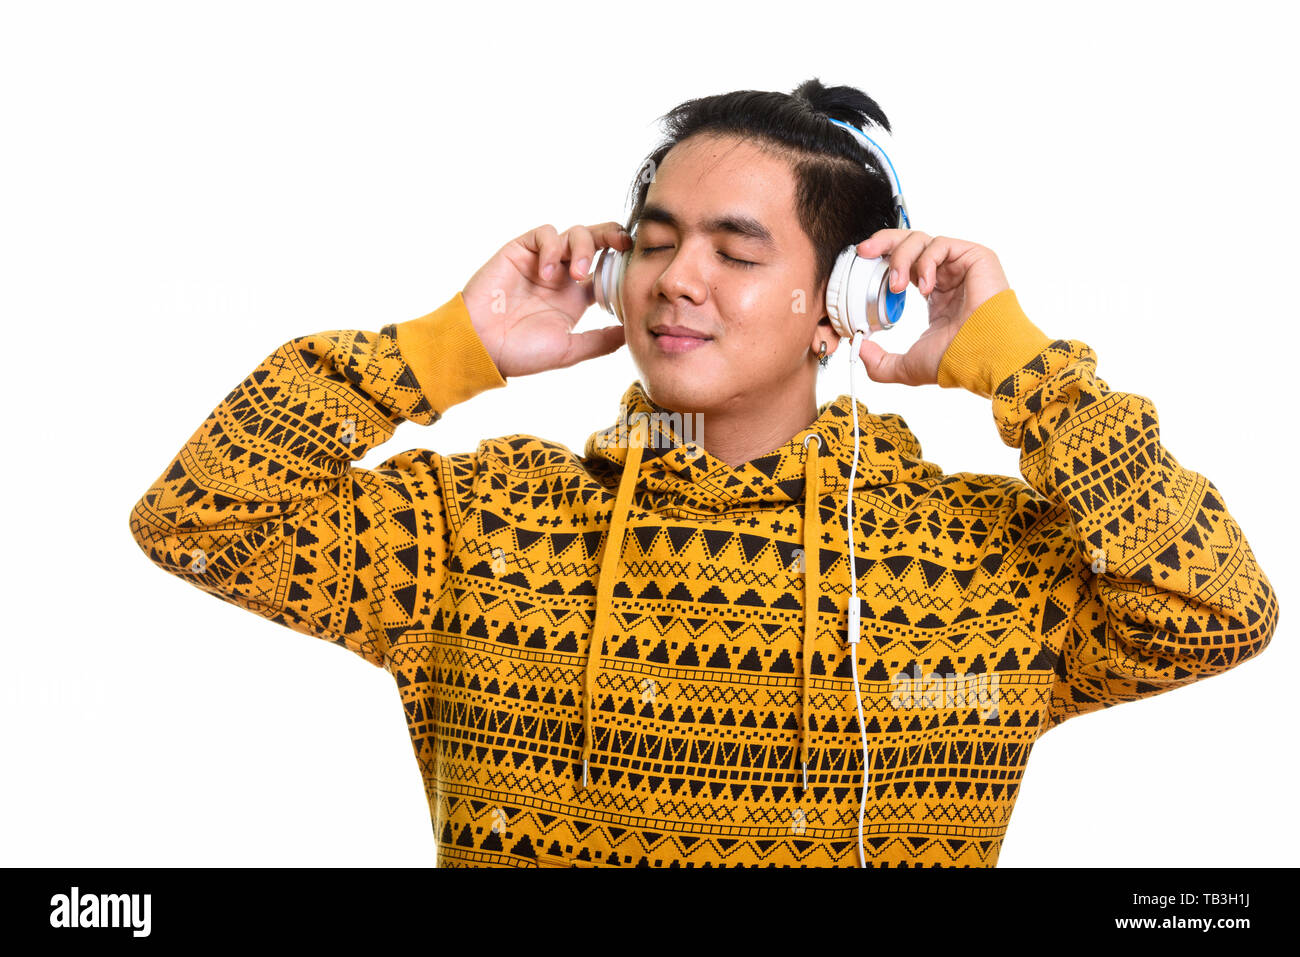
805, 775
584, 772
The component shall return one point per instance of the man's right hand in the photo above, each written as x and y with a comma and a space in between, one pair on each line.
525, 300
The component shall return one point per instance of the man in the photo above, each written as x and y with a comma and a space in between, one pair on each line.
637, 656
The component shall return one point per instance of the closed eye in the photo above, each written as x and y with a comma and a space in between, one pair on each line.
730, 259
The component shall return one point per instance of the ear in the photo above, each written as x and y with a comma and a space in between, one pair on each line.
825, 333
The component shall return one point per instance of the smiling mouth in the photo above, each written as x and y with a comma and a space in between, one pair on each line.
677, 344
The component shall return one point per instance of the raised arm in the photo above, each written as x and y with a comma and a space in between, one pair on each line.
1147, 582
263, 507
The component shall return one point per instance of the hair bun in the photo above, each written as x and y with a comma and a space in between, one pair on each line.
846, 103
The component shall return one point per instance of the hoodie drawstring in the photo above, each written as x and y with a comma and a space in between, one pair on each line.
609, 565
605, 587
811, 562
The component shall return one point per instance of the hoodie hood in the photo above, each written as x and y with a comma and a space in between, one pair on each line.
677, 471
656, 465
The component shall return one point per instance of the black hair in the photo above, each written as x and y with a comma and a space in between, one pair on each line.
842, 195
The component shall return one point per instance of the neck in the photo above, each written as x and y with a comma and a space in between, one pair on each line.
748, 428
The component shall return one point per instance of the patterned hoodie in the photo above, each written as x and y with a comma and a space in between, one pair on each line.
626, 658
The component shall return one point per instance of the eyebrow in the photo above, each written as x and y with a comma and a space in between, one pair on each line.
734, 223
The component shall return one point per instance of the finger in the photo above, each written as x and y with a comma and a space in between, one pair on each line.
881, 242
927, 264
602, 235
885, 367
545, 243
942, 249
582, 248
901, 259
590, 344
610, 234
587, 239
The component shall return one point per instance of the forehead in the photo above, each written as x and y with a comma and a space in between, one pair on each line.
704, 177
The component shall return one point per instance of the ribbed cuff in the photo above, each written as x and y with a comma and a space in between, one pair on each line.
994, 342
448, 358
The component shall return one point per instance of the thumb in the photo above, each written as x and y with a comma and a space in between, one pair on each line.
590, 344
881, 366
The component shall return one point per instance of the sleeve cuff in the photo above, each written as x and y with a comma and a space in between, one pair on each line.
448, 358
996, 340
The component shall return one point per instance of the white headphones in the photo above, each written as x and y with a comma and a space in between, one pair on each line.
858, 297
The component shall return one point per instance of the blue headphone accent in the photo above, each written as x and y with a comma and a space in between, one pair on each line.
898, 186
894, 305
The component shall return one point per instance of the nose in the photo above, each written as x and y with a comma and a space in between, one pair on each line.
683, 276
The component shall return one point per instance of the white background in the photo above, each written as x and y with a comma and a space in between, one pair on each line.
186, 186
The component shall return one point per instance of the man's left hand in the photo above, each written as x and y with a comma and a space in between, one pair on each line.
956, 278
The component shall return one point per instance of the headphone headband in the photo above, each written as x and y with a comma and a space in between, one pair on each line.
874, 148
858, 297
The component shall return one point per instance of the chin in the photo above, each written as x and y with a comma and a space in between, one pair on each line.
679, 390
683, 383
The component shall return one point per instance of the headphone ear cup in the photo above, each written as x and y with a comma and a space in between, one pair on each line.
858, 297
838, 306
620, 271
607, 281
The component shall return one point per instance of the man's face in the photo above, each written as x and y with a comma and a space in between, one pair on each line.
707, 194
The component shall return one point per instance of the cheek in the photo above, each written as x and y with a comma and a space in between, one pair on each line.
764, 317
749, 309
638, 296
751, 299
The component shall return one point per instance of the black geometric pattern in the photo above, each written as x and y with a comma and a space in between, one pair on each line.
472, 578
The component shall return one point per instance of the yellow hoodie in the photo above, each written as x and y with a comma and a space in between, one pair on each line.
625, 658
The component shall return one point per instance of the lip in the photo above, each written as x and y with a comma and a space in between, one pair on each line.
678, 339
680, 332
677, 344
